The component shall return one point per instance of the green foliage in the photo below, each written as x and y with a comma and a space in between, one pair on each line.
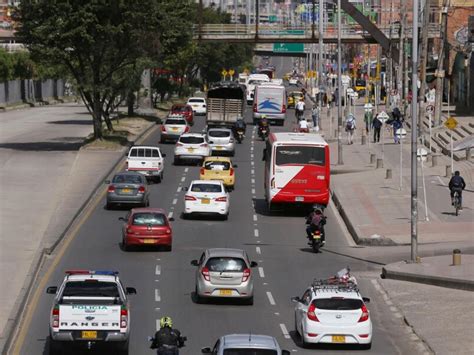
6, 66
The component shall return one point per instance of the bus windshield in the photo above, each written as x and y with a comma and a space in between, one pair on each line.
300, 155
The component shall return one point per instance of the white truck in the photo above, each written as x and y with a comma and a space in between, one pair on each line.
147, 160
252, 81
225, 103
270, 101
90, 308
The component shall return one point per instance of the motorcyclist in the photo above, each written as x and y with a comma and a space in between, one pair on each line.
263, 123
316, 221
167, 340
239, 125
456, 184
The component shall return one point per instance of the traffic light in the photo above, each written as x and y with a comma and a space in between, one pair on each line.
470, 29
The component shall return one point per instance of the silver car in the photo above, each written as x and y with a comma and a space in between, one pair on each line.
221, 141
224, 273
242, 344
128, 188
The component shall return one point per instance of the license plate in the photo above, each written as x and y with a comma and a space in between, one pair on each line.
190, 150
299, 198
126, 191
225, 292
174, 128
149, 241
89, 334
338, 338
205, 201
316, 236
219, 147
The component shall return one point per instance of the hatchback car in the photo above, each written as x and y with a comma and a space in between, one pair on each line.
147, 227
244, 344
221, 141
173, 127
198, 105
191, 147
127, 188
333, 312
206, 197
224, 273
185, 110
218, 168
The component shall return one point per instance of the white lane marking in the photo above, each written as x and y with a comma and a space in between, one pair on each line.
270, 298
170, 215
158, 259
158, 270
174, 201
179, 189
172, 208
255, 217
258, 250
186, 170
157, 295
255, 232
183, 178
252, 162
158, 324
252, 171
258, 241
260, 272
277, 313
253, 191
251, 156
253, 181
441, 181
251, 148
284, 331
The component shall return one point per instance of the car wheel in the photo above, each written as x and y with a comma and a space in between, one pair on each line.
55, 347
125, 246
225, 217
147, 203
162, 141
176, 161
249, 301
197, 298
366, 346
168, 248
108, 206
122, 348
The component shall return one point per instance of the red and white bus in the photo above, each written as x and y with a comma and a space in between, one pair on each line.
297, 169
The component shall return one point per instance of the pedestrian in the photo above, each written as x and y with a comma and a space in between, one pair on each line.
315, 116
299, 111
397, 125
368, 120
350, 128
376, 125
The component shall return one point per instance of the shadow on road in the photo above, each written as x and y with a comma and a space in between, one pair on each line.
43, 146
73, 122
338, 347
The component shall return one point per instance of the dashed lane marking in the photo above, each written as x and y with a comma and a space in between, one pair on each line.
261, 272
284, 331
255, 217
258, 250
270, 298
174, 201
158, 270
179, 189
158, 324
183, 178
253, 181
170, 215
186, 170
157, 295
252, 163
253, 191
251, 156
255, 233
252, 171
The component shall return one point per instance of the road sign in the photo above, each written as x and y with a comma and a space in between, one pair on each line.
422, 154
451, 123
231, 72
224, 73
429, 109
401, 133
288, 47
383, 116
368, 107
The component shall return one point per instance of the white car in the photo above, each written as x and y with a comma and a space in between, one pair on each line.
191, 147
333, 312
198, 104
221, 141
173, 127
206, 197
293, 81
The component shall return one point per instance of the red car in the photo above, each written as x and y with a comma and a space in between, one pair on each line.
147, 227
185, 110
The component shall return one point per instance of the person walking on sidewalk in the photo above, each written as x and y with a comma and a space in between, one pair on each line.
457, 184
397, 125
376, 125
368, 120
315, 116
350, 127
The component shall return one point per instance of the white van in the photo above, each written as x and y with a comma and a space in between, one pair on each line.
147, 160
252, 81
270, 100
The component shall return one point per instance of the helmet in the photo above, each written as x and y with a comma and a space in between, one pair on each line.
166, 322
457, 173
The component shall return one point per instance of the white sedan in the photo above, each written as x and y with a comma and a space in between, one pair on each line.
191, 147
198, 104
206, 197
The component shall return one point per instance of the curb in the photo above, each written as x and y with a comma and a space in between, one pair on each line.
17, 312
447, 282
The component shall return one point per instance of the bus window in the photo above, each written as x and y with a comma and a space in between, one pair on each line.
300, 155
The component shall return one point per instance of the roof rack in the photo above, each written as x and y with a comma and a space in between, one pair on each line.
91, 272
335, 284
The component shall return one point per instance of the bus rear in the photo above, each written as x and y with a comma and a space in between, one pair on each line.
297, 169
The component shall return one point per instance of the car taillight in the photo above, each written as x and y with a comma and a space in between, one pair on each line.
205, 145
55, 316
189, 198
221, 199
365, 314
201, 171
163, 129
312, 313
111, 188
205, 274
179, 144
246, 275
283, 108
141, 190
123, 317
231, 171
254, 107
129, 230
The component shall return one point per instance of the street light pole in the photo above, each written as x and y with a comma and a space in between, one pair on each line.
339, 86
414, 140
320, 49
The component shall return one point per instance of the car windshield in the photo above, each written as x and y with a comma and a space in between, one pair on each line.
338, 304
255, 82
219, 134
191, 140
180, 109
196, 100
217, 165
206, 188
247, 351
144, 219
300, 155
175, 121
127, 179
226, 264
90, 288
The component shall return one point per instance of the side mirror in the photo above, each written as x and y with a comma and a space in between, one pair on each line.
52, 290
235, 166
206, 350
184, 188
122, 219
295, 299
285, 352
163, 155
126, 154
171, 219
366, 299
194, 263
131, 290
107, 182
253, 264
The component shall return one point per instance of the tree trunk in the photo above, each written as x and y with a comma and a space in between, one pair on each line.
130, 103
108, 122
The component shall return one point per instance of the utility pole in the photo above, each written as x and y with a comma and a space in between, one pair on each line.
423, 61
321, 51
440, 73
414, 140
339, 86
401, 51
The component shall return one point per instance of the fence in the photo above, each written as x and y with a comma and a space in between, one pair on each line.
32, 91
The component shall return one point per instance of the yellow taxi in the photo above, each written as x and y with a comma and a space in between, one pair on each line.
293, 98
218, 168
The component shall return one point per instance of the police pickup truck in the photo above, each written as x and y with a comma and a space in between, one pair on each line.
90, 308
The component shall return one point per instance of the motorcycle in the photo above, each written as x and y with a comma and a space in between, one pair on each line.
168, 349
239, 136
316, 240
263, 133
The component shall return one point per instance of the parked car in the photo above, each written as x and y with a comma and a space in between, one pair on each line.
198, 105
173, 127
191, 147
185, 110
206, 197
221, 140
242, 344
127, 188
224, 273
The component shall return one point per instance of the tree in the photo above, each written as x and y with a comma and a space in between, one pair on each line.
6, 66
97, 41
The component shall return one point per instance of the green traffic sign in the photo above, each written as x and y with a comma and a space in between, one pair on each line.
288, 47
272, 18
